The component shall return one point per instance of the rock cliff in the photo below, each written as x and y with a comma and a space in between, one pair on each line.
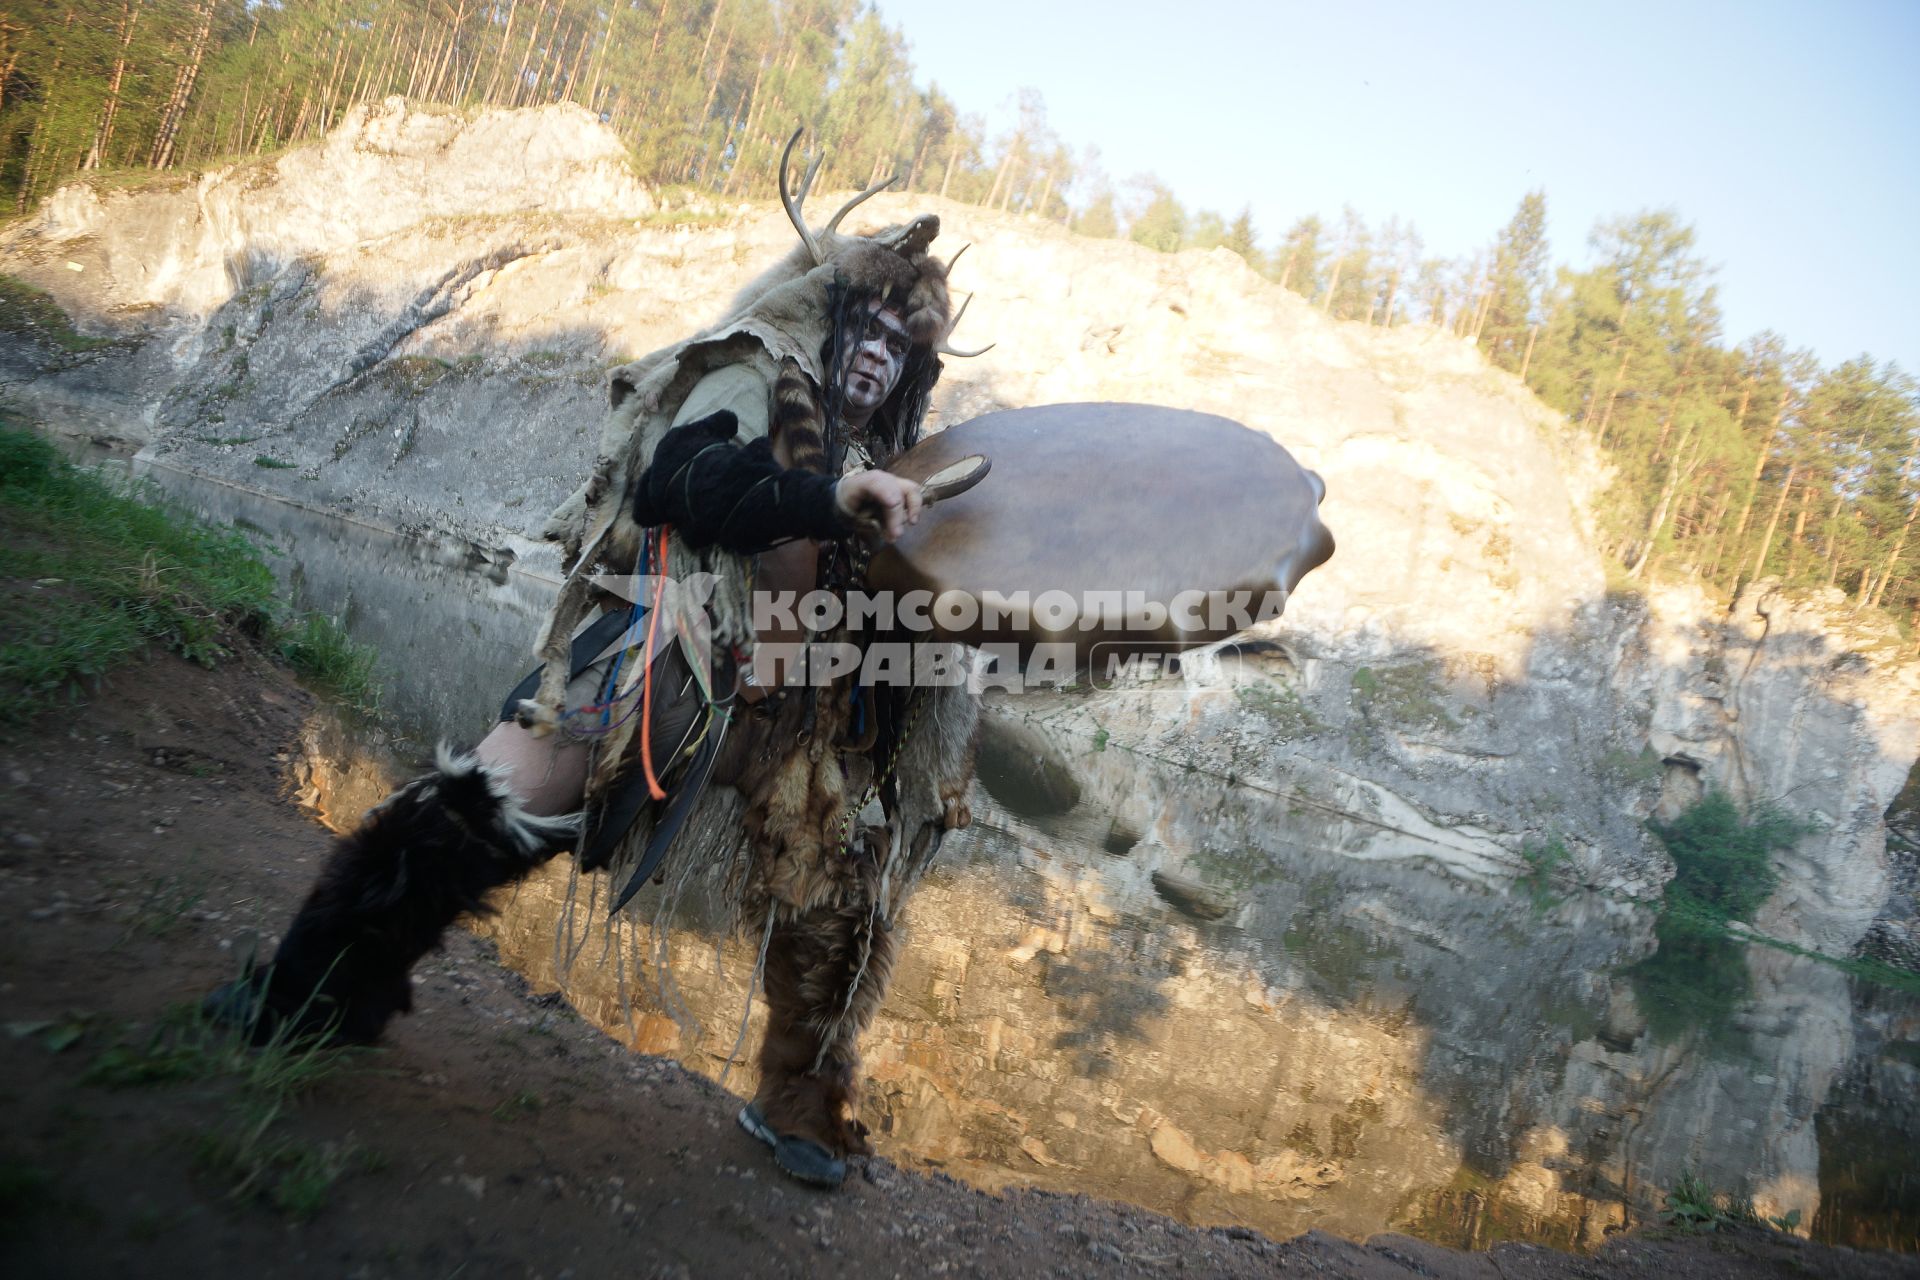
410, 325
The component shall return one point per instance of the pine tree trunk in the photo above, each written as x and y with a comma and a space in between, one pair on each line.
1773, 522
1833, 540
500, 53
1799, 531
1659, 519
1705, 565
1480, 321
739, 170
162, 155
519, 85
733, 125
919, 158
37, 162
6, 75
1766, 454
1893, 556
1006, 162
653, 51
103, 133
445, 60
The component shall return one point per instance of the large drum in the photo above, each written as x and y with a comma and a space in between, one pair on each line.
1123, 525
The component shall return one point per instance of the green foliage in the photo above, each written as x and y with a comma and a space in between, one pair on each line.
1161, 222
1240, 238
1695, 1207
413, 375
1692, 1205
1629, 770
1723, 858
1692, 985
1697, 978
103, 569
1282, 706
330, 663
1517, 280
97, 570
259, 1085
293, 1175
167, 904
1407, 695
1543, 857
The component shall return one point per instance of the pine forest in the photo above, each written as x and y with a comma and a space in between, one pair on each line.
1731, 461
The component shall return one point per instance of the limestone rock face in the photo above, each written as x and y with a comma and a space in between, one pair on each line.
411, 322
1342, 858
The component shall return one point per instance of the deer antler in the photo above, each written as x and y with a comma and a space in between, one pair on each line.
872, 191
941, 346
792, 203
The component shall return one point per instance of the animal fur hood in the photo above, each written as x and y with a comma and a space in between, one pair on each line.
785, 315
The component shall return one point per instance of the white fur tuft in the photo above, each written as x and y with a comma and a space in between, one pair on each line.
529, 833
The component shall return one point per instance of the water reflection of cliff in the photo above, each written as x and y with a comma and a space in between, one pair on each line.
1355, 1045
1206, 997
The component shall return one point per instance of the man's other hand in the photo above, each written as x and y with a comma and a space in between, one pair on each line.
881, 498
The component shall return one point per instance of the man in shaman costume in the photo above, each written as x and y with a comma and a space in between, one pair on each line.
749, 453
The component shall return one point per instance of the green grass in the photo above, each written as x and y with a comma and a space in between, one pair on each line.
29, 312
93, 571
1409, 695
1281, 705
258, 1085
1543, 858
328, 662
101, 571
167, 905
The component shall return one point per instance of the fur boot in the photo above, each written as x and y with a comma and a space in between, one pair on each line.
422, 857
826, 975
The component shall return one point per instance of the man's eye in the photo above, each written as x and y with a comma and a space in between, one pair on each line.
896, 343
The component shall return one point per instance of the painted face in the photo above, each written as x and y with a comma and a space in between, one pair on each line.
875, 361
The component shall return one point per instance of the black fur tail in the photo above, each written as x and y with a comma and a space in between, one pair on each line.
428, 853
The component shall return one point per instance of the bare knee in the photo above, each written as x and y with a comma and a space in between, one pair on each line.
548, 775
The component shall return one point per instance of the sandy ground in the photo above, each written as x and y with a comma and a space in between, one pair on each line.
146, 841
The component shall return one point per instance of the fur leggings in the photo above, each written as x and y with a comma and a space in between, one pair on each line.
827, 972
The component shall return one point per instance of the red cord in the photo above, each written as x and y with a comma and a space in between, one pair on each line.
654, 788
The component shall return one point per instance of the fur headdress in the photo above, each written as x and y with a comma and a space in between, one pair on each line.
788, 322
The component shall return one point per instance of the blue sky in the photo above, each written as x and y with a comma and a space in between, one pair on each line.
1787, 134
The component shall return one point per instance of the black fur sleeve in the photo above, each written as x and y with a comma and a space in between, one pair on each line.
718, 493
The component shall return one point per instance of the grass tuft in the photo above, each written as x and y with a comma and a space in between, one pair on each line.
330, 663
245, 1150
101, 569
93, 570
